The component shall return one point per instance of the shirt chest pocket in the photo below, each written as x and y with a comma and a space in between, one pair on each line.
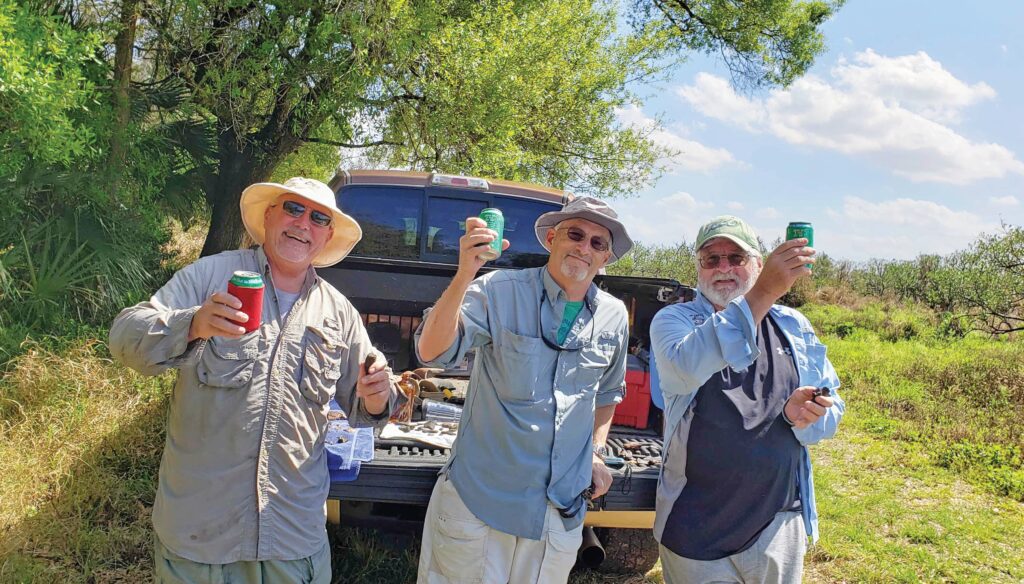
594, 360
522, 359
322, 355
228, 363
812, 371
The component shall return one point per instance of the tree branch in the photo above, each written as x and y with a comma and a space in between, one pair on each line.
348, 144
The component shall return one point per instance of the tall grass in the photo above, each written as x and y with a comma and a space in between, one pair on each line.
963, 398
80, 441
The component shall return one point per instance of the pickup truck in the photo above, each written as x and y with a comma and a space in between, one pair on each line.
409, 252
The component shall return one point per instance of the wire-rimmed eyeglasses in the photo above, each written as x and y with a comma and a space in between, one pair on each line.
735, 260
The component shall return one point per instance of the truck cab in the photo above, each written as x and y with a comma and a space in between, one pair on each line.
412, 223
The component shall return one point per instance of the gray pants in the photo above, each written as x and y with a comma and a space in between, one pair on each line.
777, 557
170, 568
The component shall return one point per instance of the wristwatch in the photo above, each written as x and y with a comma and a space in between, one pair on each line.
601, 450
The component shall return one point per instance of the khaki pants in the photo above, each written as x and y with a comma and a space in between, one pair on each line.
170, 568
459, 548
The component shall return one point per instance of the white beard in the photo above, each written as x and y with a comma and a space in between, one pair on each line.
574, 270
723, 297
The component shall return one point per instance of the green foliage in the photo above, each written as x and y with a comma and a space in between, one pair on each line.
979, 288
45, 89
524, 91
677, 262
962, 398
991, 285
772, 42
1000, 466
878, 320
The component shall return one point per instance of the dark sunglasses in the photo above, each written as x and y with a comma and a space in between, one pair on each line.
297, 209
596, 242
735, 260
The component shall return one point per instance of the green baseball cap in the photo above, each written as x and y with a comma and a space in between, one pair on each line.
731, 228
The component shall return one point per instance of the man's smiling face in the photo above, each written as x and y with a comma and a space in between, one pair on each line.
578, 261
294, 242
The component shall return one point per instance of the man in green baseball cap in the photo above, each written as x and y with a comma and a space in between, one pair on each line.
747, 387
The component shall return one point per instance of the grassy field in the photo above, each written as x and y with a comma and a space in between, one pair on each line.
924, 482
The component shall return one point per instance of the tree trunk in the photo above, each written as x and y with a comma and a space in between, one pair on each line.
123, 51
238, 168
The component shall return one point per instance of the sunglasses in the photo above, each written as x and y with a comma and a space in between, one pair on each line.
735, 260
596, 242
298, 209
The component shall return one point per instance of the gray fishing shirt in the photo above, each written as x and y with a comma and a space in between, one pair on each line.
244, 471
525, 437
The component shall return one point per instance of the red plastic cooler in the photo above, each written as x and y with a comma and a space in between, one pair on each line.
634, 409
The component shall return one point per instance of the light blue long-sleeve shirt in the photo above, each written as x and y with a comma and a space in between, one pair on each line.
525, 437
690, 342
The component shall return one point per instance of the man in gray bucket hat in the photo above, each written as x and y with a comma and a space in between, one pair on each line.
550, 367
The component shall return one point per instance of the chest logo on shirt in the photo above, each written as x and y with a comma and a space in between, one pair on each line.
784, 351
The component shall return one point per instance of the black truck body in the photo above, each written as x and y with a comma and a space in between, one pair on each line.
408, 255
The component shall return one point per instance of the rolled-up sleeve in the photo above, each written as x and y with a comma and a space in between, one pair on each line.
152, 336
473, 329
612, 388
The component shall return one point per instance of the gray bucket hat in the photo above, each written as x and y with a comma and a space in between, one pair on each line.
591, 209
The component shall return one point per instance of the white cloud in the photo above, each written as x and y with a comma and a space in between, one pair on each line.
734, 206
915, 82
1007, 201
665, 220
1005, 49
682, 202
768, 213
714, 97
689, 154
892, 111
902, 228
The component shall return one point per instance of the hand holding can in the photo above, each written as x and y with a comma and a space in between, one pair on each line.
798, 229
496, 222
248, 288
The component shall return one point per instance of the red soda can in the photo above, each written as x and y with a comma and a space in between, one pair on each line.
248, 287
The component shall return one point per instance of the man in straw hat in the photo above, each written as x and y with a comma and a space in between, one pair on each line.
243, 479
550, 367
741, 378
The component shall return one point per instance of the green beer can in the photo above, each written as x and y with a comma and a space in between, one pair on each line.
495, 220
798, 229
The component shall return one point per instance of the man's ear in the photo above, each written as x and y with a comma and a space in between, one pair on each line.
550, 237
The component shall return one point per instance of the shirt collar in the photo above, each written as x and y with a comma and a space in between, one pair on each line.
556, 294
312, 278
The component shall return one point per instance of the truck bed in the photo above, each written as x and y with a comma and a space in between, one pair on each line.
404, 472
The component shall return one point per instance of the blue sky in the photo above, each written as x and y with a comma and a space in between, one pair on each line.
906, 137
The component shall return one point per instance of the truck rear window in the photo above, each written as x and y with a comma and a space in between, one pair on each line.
415, 223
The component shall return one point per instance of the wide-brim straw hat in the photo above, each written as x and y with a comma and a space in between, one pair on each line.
257, 197
591, 209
